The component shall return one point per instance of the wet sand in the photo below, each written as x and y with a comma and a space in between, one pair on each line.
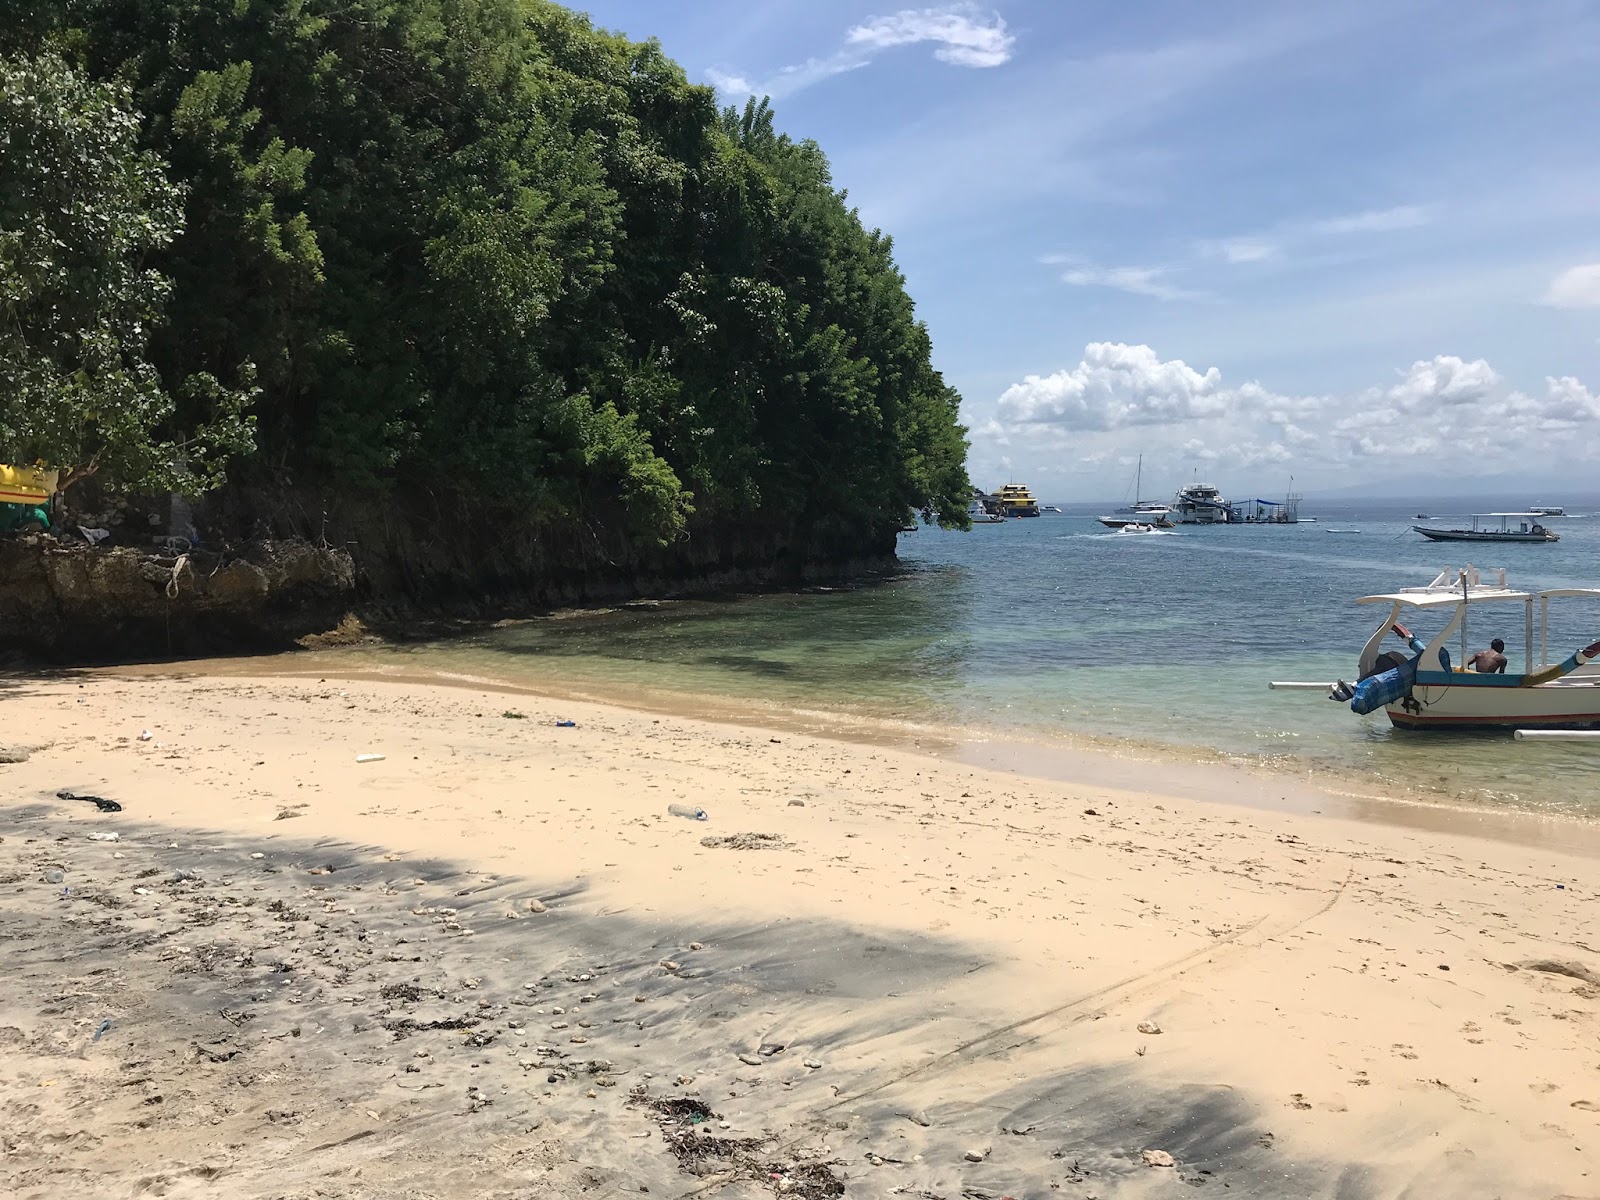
491, 964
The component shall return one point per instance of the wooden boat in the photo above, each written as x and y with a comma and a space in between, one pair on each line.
1527, 528
1426, 692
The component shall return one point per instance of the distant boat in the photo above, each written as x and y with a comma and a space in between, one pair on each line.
1044, 508
1526, 529
1017, 501
979, 515
1336, 529
1549, 510
1424, 517
1202, 504
1156, 515
1142, 509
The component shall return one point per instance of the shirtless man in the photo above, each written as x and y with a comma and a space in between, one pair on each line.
1491, 661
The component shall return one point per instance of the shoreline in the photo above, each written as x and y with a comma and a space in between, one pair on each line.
1125, 764
488, 961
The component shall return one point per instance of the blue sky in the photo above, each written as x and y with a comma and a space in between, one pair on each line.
1345, 242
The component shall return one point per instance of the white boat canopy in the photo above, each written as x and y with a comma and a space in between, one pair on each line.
1457, 588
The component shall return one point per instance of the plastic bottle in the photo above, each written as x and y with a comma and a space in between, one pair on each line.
690, 811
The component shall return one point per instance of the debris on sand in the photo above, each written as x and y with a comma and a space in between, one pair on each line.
684, 1121
1157, 1158
1572, 970
745, 841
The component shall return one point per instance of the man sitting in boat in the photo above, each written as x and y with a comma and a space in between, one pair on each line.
1491, 661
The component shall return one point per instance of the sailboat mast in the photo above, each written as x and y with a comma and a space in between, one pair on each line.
1138, 482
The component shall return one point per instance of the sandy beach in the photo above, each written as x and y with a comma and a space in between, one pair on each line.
490, 963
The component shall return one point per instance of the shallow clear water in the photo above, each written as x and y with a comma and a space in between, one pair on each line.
1053, 627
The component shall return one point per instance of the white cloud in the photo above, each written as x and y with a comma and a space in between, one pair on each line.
1274, 243
967, 36
1444, 380
1247, 250
1141, 281
731, 86
1383, 220
1576, 287
1115, 386
1435, 411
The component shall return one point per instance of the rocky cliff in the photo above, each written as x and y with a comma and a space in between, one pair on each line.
269, 567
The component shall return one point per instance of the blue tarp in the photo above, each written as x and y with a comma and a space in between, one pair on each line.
1373, 692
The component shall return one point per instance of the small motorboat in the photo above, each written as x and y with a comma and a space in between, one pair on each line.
1155, 516
1514, 527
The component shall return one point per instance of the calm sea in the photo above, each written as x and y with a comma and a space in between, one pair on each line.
1056, 630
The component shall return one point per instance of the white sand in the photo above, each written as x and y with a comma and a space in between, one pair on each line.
969, 953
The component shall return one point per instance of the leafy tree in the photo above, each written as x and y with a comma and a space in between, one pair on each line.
81, 211
481, 243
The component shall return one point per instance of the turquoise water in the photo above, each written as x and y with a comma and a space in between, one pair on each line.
1053, 628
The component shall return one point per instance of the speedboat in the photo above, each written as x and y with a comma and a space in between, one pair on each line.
1425, 691
1526, 529
1157, 515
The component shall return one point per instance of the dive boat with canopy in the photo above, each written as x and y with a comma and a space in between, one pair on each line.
1425, 692
1527, 528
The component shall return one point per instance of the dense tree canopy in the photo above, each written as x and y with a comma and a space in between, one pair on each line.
481, 242
81, 211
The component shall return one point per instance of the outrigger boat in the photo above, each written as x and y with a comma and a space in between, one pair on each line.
1527, 529
1425, 692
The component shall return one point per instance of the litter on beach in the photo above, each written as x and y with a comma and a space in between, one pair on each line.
366, 758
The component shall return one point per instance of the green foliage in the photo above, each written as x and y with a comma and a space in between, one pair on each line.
481, 243
81, 212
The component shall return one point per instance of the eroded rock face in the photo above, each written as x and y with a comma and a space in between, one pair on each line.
305, 560
67, 600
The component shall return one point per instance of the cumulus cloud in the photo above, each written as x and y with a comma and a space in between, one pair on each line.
965, 34
1115, 386
1576, 287
1119, 396
1444, 380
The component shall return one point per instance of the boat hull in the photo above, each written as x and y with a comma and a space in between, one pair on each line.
1573, 704
1480, 535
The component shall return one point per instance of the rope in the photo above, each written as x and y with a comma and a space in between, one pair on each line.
177, 569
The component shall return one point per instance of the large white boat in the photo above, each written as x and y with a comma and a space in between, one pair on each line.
1548, 510
1425, 691
1202, 504
979, 515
